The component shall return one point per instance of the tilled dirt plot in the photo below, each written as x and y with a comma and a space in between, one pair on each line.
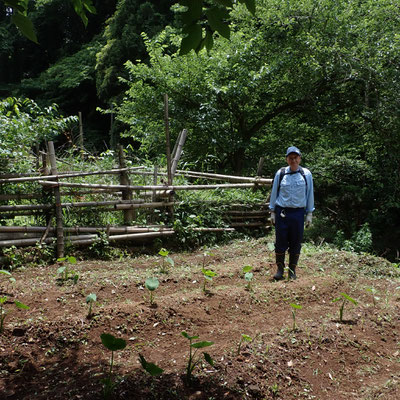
53, 351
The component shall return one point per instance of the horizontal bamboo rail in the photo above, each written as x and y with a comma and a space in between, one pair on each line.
247, 224
153, 187
229, 178
33, 241
132, 237
118, 205
248, 213
67, 175
88, 229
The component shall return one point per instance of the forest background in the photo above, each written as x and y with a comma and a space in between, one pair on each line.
321, 75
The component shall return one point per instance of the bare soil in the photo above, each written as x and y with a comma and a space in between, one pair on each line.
53, 351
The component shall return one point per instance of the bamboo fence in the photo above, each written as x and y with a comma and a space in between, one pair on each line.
123, 197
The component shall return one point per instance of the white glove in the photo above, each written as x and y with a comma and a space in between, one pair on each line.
272, 217
308, 220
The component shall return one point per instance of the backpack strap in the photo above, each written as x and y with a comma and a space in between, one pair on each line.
282, 173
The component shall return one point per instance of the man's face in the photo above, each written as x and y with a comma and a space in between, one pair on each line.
293, 161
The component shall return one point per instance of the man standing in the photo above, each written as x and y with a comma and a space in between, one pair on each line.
292, 198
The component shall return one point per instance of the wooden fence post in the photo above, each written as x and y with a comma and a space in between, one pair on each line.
260, 166
178, 152
168, 148
57, 196
129, 214
80, 133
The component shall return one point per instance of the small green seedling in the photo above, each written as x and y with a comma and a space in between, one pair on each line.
294, 308
151, 285
243, 338
4, 312
90, 299
164, 253
193, 361
8, 276
345, 298
373, 291
111, 343
64, 272
151, 368
248, 275
208, 276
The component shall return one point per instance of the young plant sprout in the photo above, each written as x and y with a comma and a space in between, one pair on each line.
166, 259
294, 308
243, 338
90, 299
193, 361
344, 298
151, 368
373, 291
4, 312
8, 276
248, 275
151, 285
111, 343
64, 272
208, 276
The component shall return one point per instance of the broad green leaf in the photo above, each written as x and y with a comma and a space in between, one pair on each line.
151, 368
61, 270
200, 345
194, 11
89, 6
25, 25
169, 260
247, 268
163, 252
209, 41
248, 276
296, 306
271, 246
91, 298
246, 338
347, 297
192, 40
216, 20
208, 273
111, 342
208, 358
71, 260
3, 299
152, 283
250, 4
21, 305
184, 334
2, 271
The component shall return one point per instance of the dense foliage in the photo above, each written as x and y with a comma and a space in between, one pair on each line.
322, 75
23, 125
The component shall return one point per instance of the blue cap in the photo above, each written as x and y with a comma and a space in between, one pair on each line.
293, 149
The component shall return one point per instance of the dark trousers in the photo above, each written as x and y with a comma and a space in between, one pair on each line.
289, 229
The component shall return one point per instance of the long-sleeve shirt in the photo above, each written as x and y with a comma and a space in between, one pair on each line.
293, 192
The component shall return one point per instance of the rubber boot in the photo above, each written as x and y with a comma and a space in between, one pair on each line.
280, 263
293, 260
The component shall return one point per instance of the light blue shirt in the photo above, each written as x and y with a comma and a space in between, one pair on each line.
293, 192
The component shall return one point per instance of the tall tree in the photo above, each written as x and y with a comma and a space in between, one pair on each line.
320, 74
